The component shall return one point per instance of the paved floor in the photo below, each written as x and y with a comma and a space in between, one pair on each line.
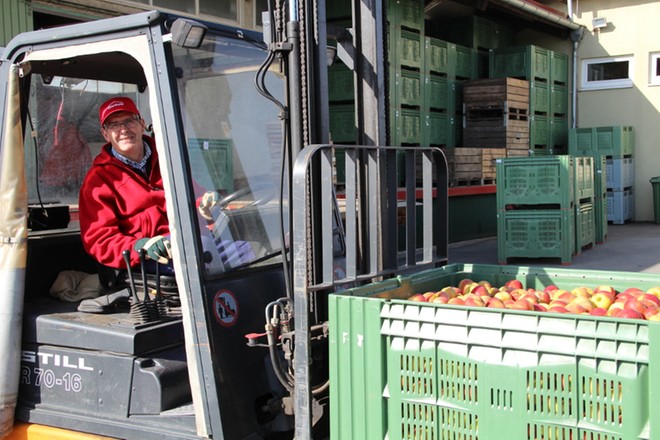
633, 247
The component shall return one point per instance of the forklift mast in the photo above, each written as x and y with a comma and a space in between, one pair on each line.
235, 111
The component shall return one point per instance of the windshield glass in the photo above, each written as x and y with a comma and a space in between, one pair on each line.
234, 141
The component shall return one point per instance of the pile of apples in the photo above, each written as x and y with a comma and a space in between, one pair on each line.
602, 300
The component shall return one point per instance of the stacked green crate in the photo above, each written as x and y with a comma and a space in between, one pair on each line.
536, 207
600, 198
585, 223
547, 73
613, 145
477, 32
405, 64
446, 66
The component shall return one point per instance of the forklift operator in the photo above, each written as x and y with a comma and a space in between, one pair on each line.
122, 202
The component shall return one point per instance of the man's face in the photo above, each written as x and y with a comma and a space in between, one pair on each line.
124, 131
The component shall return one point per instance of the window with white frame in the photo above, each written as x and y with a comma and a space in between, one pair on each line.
607, 73
654, 68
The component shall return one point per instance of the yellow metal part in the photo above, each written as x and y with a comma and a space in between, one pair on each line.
27, 431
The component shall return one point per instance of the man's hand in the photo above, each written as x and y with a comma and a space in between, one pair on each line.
207, 202
158, 248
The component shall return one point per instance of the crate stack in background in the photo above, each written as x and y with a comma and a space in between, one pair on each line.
612, 148
544, 207
585, 215
405, 42
547, 73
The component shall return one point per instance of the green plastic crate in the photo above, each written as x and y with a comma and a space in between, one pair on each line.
585, 227
441, 94
614, 141
477, 32
526, 62
536, 233
584, 178
440, 130
407, 48
600, 218
558, 101
438, 56
581, 141
406, 13
342, 123
408, 85
407, 126
558, 69
465, 66
341, 87
559, 135
547, 180
539, 132
539, 98
409, 370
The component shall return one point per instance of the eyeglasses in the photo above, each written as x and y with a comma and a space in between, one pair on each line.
128, 123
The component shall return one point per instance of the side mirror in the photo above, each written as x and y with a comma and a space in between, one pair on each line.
188, 33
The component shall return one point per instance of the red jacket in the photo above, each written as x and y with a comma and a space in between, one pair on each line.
117, 206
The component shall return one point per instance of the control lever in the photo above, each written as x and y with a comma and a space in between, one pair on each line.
127, 259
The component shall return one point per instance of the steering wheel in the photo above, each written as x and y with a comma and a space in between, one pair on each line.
221, 219
269, 193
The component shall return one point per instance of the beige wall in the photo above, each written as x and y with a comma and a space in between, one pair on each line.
631, 30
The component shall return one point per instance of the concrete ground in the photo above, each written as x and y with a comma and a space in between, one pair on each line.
632, 247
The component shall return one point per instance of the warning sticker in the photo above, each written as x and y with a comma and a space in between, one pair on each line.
225, 308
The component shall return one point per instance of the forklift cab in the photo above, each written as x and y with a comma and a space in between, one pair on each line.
191, 373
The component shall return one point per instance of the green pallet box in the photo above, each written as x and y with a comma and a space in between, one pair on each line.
539, 98
615, 141
558, 69
408, 85
536, 233
342, 123
526, 62
406, 13
341, 87
545, 180
407, 127
584, 178
438, 56
558, 101
411, 370
585, 227
406, 48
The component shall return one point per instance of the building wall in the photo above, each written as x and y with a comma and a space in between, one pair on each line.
631, 30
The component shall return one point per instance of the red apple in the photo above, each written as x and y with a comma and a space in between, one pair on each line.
418, 297
649, 299
463, 283
522, 304
651, 311
457, 301
479, 289
551, 288
634, 304
654, 291
558, 309
516, 284
495, 303
598, 311
630, 314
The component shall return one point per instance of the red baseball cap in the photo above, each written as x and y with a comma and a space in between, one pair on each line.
118, 104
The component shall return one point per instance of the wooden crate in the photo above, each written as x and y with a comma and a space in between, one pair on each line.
464, 165
496, 113
490, 156
496, 93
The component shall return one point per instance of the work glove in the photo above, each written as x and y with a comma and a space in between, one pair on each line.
158, 248
209, 200
234, 253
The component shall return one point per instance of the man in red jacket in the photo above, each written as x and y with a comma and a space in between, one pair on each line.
122, 202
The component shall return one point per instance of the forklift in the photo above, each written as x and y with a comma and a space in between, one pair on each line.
213, 351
